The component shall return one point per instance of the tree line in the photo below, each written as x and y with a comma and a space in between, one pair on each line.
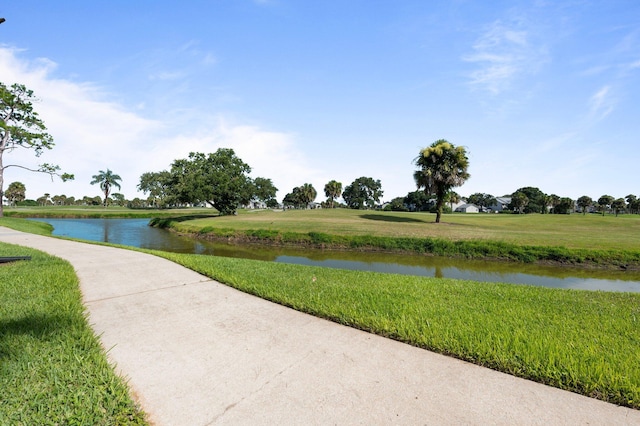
221, 179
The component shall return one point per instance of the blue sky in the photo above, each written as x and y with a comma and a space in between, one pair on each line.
541, 93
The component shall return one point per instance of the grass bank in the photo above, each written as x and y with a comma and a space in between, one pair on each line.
576, 240
53, 369
99, 212
581, 341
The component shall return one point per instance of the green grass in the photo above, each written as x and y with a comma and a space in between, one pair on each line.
591, 240
52, 367
581, 341
571, 231
101, 212
33, 227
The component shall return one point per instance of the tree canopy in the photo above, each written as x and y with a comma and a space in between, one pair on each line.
584, 203
363, 192
21, 127
481, 200
300, 196
442, 167
220, 179
265, 191
519, 201
158, 186
536, 200
604, 203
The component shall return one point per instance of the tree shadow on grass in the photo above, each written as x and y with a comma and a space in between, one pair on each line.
36, 326
387, 218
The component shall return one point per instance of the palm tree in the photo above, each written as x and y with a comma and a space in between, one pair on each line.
443, 166
618, 205
605, 202
106, 180
307, 194
519, 201
15, 192
333, 190
454, 198
585, 202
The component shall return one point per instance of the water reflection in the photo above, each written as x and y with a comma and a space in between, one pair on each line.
135, 232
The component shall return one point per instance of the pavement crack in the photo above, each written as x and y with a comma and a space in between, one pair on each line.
153, 290
258, 390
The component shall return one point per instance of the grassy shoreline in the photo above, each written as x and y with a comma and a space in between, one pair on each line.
99, 212
469, 248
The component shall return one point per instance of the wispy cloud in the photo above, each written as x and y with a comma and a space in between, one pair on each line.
93, 133
502, 53
601, 103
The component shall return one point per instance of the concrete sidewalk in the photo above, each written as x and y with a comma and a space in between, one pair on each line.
198, 353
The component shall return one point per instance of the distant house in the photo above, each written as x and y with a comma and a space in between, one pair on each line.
468, 208
253, 204
502, 203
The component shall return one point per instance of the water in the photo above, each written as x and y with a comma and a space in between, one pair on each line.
136, 232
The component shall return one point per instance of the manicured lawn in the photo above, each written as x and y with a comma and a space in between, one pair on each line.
100, 212
53, 370
571, 231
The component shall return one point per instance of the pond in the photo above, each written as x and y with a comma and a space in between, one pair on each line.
137, 233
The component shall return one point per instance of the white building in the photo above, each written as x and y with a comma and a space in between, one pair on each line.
468, 208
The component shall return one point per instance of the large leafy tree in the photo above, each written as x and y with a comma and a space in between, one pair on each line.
158, 186
565, 206
442, 167
584, 203
220, 179
264, 190
107, 180
15, 192
537, 200
418, 201
363, 192
22, 128
333, 189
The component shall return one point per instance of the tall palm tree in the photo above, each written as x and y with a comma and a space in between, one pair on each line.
106, 180
307, 194
443, 166
333, 190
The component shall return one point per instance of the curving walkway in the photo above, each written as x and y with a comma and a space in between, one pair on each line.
199, 353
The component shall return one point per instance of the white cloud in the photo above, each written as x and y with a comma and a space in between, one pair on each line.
601, 103
92, 133
502, 54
